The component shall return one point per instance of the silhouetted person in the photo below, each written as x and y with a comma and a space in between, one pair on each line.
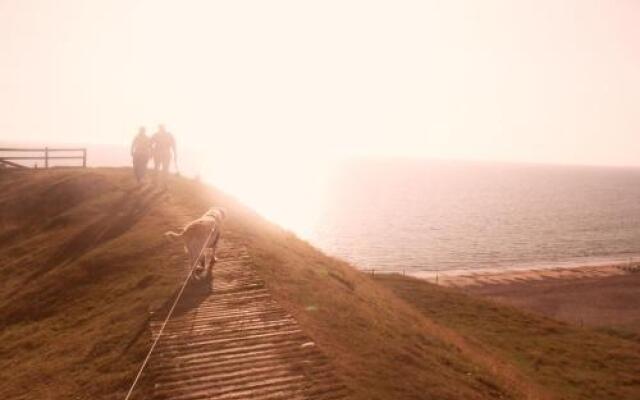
140, 152
163, 145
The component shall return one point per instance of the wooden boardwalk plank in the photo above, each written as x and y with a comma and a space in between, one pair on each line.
237, 343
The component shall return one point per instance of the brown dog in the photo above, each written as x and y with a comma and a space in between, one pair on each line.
195, 234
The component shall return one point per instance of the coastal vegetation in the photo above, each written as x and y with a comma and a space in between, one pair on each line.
83, 263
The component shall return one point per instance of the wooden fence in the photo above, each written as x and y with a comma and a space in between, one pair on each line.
11, 157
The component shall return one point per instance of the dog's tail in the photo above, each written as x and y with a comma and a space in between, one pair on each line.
172, 234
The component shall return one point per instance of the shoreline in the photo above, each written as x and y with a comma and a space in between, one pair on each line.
493, 275
622, 262
601, 296
504, 277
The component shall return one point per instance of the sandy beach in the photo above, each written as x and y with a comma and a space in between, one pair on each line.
605, 296
498, 277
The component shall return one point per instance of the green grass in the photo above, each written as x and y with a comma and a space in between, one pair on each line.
83, 262
83, 266
380, 346
573, 362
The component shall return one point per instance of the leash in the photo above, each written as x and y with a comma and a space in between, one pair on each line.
166, 320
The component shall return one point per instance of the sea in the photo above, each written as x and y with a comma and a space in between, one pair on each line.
425, 217
429, 217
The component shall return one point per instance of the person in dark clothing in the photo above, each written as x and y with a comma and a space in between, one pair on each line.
140, 153
163, 146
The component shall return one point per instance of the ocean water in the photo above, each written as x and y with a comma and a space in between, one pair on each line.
421, 217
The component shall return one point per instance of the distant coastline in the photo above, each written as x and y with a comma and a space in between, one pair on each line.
604, 263
430, 217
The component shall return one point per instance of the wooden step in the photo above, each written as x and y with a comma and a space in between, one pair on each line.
238, 343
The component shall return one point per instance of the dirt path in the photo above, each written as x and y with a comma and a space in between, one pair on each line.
238, 343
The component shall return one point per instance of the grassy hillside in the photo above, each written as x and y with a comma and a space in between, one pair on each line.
83, 261
81, 264
571, 362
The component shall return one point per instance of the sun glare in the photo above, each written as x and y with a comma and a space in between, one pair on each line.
286, 189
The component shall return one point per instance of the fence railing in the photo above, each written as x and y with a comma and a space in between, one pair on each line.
6, 159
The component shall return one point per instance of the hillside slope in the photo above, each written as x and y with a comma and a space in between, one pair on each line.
83, 261
81, 265
572, 362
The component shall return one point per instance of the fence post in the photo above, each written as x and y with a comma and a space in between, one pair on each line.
84, 158
46, 157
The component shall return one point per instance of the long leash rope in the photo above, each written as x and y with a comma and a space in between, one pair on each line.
166, 320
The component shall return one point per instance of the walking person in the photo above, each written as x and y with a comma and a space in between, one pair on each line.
140, 153
163, 146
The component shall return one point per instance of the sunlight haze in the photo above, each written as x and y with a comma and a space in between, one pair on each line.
270, 94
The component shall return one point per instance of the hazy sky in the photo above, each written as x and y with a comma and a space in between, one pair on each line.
271, 83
